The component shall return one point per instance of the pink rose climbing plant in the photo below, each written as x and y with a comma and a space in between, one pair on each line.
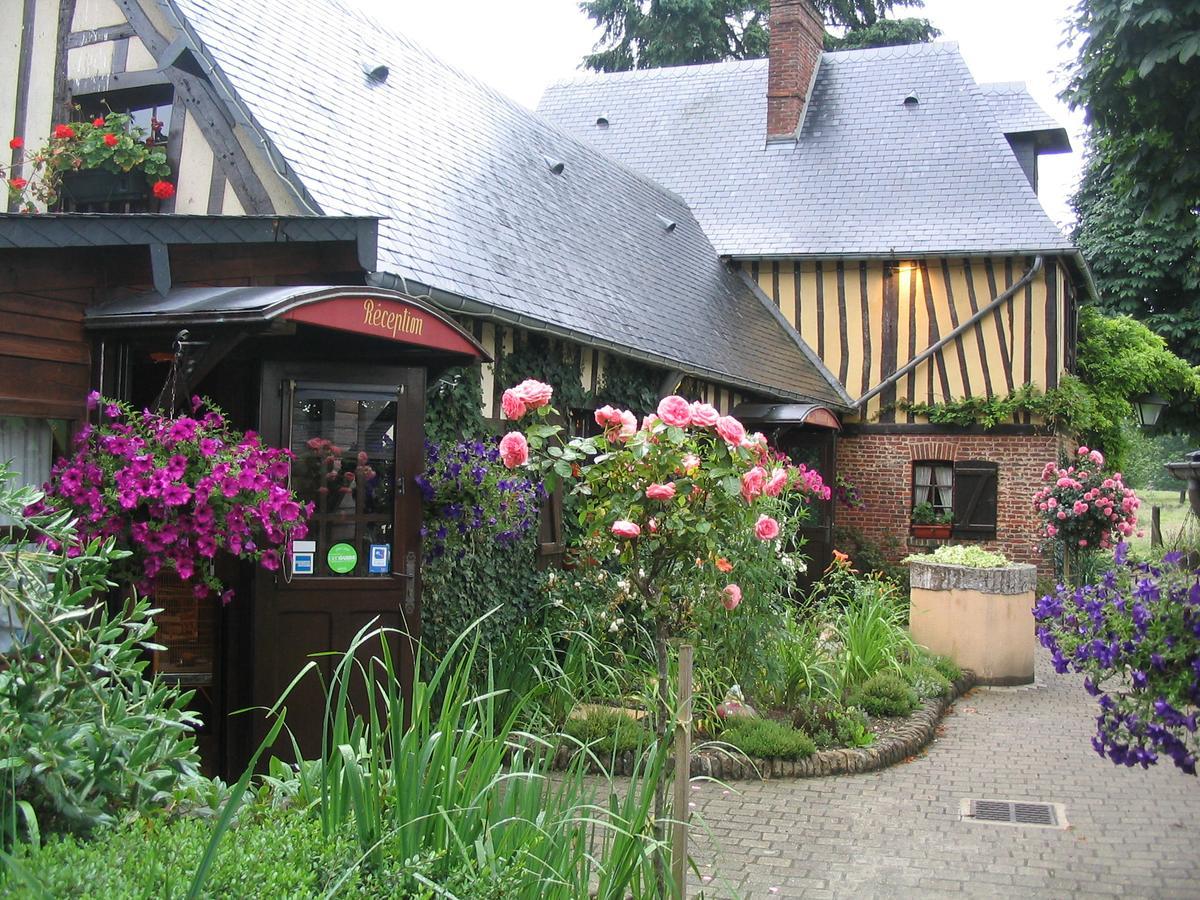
176, 491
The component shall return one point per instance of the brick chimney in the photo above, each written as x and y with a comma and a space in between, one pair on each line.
797, 38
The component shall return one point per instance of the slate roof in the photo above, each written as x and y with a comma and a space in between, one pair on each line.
1017, 112
869, 175
470, 206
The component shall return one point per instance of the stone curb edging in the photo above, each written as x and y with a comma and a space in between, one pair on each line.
917, 731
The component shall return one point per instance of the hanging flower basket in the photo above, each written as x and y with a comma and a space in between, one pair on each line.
103, 186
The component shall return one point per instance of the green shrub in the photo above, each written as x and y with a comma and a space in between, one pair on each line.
608, 731
946, 667
870, 626
966, 555
886, 694
927, 681
767, 738
832, 724
270, 853
84, 736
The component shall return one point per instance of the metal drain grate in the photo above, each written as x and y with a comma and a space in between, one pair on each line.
1008, 812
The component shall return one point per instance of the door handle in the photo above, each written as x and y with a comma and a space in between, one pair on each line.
410, 588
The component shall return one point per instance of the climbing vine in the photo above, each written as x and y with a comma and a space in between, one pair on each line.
1119, 359
628, 384
454, 406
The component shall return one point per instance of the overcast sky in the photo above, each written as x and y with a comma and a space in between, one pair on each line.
521, 46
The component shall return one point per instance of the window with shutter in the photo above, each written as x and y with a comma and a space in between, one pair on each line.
975, 491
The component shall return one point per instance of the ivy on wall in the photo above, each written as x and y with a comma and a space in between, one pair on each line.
454, 406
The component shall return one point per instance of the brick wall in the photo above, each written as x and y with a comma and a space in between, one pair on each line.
880, 465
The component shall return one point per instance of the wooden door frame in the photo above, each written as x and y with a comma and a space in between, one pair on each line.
410, 459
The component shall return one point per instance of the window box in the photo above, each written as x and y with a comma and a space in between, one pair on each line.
88, 186
931, 530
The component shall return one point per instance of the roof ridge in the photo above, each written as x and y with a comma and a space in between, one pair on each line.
896, 51
1003, 87
656, 72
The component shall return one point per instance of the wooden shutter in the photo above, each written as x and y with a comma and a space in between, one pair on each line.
975, 499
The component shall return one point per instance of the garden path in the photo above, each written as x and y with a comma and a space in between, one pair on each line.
897, 832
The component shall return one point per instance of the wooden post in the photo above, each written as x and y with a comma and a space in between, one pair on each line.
683, 772
1156, 526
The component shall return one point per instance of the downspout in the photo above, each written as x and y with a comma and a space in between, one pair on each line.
861, 402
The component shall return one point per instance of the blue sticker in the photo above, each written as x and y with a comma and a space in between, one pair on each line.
302, 563
381, 556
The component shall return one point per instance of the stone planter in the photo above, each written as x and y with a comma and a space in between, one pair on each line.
980, 618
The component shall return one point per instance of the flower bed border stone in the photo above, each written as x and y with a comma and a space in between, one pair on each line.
915, 733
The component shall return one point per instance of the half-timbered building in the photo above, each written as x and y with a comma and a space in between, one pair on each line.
333, 180
885, 203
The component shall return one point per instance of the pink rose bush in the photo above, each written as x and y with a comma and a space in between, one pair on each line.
669, 498
176, 491
1083, 507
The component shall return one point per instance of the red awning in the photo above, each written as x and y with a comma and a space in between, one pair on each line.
374, 312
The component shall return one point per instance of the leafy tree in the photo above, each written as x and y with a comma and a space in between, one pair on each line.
644, 34
1145, 267
884, 33
1138, 76
1120, 358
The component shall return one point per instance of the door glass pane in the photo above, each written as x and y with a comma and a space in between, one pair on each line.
344, 444
811, 455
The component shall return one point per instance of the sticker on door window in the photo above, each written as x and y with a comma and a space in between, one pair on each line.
381, 554
303, 557
342, 558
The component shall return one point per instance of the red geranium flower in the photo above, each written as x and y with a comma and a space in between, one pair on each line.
64, 131
16, 143
110, 140
163, 190
17, 184
98, 122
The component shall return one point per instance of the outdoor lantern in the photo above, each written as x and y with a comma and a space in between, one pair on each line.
1149, 407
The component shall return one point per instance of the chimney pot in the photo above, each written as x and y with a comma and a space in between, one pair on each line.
797, 41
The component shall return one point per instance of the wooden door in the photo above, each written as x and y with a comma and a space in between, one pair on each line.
816, 449
357, 436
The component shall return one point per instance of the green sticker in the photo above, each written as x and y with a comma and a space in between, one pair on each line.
342, 558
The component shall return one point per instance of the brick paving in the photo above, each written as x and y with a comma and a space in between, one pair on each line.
897, 832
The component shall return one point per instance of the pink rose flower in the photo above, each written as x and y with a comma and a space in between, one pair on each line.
766, 528
690, 463
731, 430
534, 394
1051, 531
649, 421
674, 410
1083, 451
623, 528
704, 415
776, 483
661, 491
512, 405
514, 449
731, 596
628, 425
606, 416
753, 483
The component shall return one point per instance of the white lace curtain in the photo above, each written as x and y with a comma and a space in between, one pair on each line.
933, 483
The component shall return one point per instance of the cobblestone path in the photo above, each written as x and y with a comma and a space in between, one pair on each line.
898, 832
